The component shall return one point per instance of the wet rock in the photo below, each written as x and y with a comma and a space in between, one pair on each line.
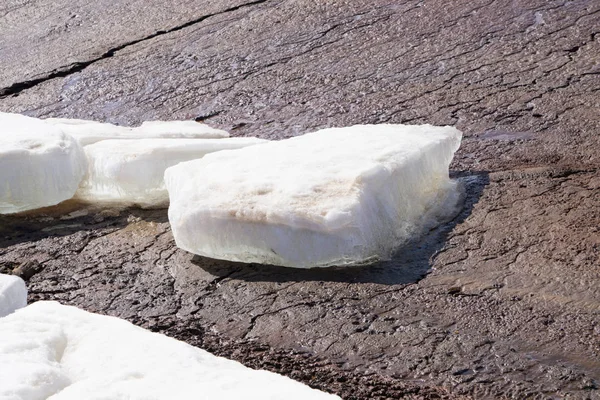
524, 248
27, 269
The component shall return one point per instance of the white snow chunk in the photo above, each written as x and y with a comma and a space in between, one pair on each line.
89, 132
13, 294
132, 171
338, 196
51, 351
39, 165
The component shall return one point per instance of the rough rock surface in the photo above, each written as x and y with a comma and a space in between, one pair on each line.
503, 301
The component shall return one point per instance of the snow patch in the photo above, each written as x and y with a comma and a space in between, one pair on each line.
132, 171
13, 294
40, 166
334, 197
48, 350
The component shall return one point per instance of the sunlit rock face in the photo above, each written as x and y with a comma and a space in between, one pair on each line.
338, 196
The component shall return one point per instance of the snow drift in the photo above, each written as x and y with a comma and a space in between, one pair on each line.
13, 294
48, 350
333, 197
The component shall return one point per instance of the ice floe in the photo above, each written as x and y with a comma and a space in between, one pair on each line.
333, 197
13, 294
48, 350
132, 171
39, 165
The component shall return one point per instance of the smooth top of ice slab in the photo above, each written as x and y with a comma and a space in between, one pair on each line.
51, 350
190, 129
81, 122
13, 294
116, 149
89, 132
311, 181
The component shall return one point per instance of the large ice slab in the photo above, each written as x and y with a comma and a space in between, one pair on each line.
89, 132
39, 165
60, 352
132, 171
13, 294
333, 197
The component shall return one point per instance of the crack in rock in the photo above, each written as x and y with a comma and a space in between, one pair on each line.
73, 68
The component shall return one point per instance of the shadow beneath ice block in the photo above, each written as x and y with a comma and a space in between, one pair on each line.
409, 264
71, 218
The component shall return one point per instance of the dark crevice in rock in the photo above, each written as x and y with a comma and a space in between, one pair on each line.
209, 115
64, 71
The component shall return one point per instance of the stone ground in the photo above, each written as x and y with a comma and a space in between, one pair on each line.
501, 302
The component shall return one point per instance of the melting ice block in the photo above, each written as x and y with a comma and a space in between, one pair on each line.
132, 171
60, 352
39, 165
89, 132
13, 294
333, 197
